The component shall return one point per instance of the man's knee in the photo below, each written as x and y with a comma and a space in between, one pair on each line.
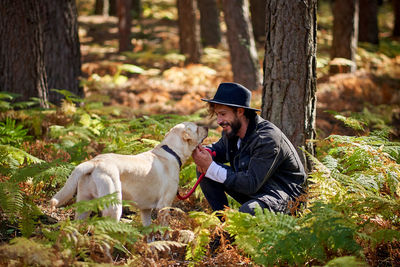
250, 206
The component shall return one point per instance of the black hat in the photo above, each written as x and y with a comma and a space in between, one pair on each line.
232, 94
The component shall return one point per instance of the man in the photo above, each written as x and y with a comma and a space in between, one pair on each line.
265, 168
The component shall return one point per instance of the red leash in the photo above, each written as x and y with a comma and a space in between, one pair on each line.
198, 181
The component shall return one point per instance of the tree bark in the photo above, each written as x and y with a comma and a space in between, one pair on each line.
396, 10
41, 51
62, 55
98, 7
244, 60
288, 98
257, 10
110, 8
345, 29
368, 22
209, 22
189, 31
22, 51
124, 25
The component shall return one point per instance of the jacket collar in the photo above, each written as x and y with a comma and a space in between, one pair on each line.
251, 127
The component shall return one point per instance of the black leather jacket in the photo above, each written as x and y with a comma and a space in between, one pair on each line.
266, 166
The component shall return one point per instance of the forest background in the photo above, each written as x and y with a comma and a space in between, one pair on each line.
134, 86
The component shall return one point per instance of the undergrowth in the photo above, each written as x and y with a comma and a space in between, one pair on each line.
352, 212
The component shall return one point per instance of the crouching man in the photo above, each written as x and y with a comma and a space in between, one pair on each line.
264, 169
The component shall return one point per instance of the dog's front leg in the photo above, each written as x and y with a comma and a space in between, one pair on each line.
146, 217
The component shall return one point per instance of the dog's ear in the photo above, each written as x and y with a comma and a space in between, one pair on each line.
187, 135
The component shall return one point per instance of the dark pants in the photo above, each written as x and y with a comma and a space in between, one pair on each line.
216, 197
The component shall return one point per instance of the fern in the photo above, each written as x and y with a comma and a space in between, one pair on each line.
83, 238
18, 207
361, 163
7, 98
96, 205
197, 248
278, 239
351, 122
69, 96
12, 134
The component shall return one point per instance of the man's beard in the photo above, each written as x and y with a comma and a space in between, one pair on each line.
235, 127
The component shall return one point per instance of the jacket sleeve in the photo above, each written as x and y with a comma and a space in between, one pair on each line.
255, 165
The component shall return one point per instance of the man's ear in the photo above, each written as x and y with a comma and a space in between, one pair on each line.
240, 111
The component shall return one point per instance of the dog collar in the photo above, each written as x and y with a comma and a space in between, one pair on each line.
169, 150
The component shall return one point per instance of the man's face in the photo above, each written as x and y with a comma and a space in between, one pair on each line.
228, 120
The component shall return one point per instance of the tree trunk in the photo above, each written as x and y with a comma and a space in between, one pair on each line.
41, 50
345, 29
98, 7
257, 10
244, 60
62, 55
22, 51
136, 9
110, 8
396, 10
124, 25
189, 30
288, 98
368, 23
209, 22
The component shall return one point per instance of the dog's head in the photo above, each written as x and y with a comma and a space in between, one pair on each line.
184, 137
193, 134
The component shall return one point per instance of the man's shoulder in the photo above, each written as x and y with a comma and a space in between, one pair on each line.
263, 125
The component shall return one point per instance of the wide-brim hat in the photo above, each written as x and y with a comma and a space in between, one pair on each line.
232, 94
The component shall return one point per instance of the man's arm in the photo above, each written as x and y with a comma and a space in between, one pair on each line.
258, 167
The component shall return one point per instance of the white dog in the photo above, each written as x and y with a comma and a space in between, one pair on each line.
149, 179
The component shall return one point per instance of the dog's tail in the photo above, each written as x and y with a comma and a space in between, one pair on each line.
69, 189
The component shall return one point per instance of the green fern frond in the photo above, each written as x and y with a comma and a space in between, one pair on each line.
69, 96
204, 219
28, 217
47, 173
197, 248
11, 200
274, 239
12, 133
96, 205
351, 122
373, 205
12, 157
119, 231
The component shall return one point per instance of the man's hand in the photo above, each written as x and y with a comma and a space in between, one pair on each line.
202, 158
